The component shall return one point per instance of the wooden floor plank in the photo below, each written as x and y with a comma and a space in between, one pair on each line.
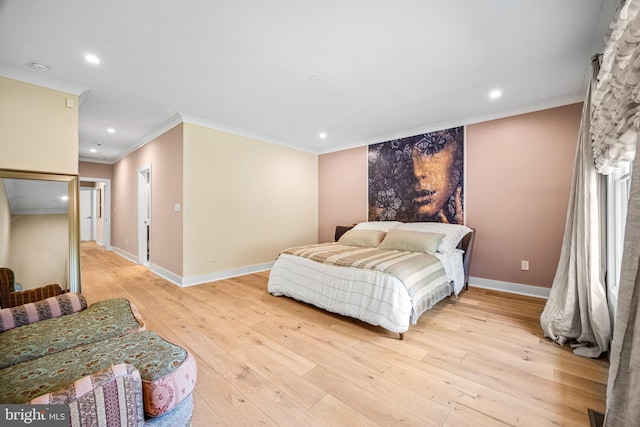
286, 380
477, 360
334, 413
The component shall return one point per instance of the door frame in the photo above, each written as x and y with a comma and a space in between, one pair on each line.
144, 224
106, 214
92, 212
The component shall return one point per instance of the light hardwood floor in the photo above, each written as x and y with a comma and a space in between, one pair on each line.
264, 360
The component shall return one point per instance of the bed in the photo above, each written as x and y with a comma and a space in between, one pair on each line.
385, 273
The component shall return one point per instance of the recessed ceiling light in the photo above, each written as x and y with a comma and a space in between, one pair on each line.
93, 150
322, 135
40, 66
92, 58
111, 130
65, 198
495, 94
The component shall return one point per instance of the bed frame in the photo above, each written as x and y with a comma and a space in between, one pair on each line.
467, 246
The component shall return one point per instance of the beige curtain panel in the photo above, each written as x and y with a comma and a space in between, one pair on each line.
615, 127
623, 389
615, 100
577, 311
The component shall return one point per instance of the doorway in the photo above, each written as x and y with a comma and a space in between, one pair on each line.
144, 215
101, 215
87, 214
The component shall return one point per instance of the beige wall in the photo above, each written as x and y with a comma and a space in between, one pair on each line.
41, 239
39, 133
164, 154
517, 184
244, 200
347, 171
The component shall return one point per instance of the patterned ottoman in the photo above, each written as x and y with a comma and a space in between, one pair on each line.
168, 371
102, 320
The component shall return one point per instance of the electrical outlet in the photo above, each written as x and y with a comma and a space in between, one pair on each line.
524, 265
212, 258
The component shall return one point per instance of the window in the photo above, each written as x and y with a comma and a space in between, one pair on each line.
618, 184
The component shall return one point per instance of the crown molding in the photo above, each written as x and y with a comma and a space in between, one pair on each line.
44, 81
94, 160
464, 121
159, 130
178, 118
237, 131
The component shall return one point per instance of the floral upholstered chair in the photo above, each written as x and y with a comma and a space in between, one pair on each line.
10, 298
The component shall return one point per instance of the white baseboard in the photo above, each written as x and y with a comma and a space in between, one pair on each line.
226, 274
125, 254
512, 288
166, 274
106, 248
183, 282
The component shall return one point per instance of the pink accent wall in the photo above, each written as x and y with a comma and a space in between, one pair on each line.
342, 190
95, 170
517, 185
165, 155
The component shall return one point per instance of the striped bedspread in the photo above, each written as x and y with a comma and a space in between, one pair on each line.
422, 274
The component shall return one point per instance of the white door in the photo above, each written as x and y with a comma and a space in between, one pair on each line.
106, 211
86, 214
144, 215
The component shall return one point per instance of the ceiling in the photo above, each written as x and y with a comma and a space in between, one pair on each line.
282, 71
32, 196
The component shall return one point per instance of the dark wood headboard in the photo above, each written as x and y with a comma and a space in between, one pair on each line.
341, 229
466, 244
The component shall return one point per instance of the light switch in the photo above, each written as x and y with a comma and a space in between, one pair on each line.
177, 207
70, 102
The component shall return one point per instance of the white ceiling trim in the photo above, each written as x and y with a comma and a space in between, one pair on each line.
40, 80
178, 118
175, 120
187, 118
558, 102
237, 131
156, 132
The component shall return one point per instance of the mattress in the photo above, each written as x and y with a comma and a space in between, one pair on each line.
369, 291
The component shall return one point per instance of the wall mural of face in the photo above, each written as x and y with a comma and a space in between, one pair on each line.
435, 182
418, 178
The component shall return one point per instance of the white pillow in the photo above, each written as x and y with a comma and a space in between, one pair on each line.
377, 225
453, 233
